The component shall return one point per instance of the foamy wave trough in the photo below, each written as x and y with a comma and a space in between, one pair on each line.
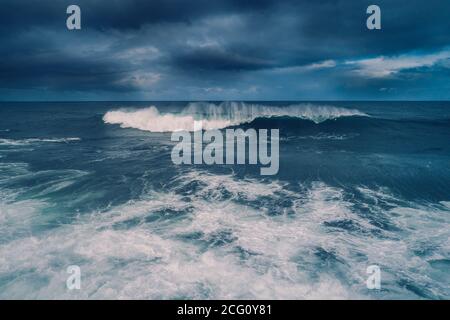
229, 242
218, 116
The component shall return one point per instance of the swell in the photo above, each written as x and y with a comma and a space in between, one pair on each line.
218, 116
351, 124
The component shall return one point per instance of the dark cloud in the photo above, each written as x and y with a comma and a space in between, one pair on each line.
124, 14
219, 59
233, 48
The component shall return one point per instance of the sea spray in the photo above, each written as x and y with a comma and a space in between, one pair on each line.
220, 116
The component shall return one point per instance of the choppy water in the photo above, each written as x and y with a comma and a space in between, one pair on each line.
92, 184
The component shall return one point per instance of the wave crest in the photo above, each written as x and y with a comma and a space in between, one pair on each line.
218, 116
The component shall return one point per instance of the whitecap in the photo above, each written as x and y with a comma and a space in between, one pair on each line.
218, 116
21, 142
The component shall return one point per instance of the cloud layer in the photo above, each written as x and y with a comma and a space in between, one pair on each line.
224, 49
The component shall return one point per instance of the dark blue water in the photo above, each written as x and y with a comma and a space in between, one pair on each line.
93, 185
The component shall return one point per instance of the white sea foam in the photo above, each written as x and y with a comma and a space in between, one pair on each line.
217, 116
11, 142
227, 244
144, 263
20, 215
21, 142
10, 170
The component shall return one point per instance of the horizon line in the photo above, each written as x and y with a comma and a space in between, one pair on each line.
227, 100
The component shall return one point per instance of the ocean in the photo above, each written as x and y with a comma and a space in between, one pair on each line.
92, 184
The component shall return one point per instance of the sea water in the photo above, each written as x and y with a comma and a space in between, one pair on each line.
93, 185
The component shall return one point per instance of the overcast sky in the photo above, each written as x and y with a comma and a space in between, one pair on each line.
224, 50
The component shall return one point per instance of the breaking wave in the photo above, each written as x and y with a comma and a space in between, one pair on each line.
218, 116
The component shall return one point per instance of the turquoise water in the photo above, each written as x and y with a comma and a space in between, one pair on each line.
93, 185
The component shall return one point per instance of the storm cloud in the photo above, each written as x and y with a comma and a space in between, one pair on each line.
224, 49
